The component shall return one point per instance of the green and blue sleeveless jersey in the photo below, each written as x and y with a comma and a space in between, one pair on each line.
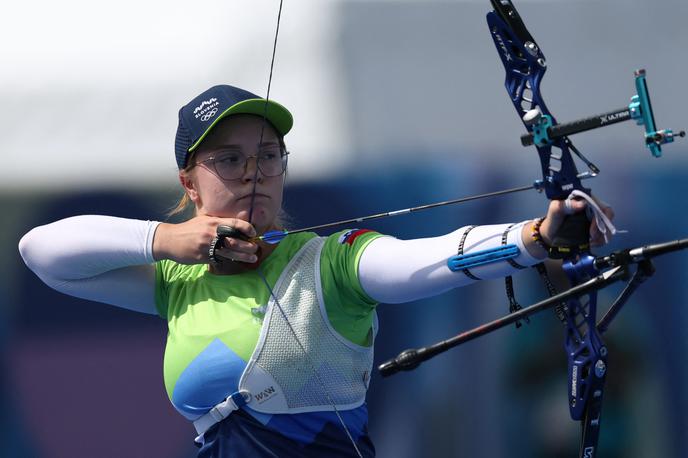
214, 322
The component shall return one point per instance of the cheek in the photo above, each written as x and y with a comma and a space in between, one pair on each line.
211, 186
277, 189
213, 192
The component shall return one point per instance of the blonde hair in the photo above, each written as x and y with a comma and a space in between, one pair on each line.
184, 202
182, 206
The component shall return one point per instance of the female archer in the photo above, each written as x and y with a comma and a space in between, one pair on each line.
270, 346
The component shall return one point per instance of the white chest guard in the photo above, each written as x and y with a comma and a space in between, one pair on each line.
319, 367
300, 364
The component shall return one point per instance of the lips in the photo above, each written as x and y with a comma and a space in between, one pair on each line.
257, 196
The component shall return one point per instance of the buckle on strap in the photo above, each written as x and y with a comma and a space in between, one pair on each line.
222, 410
233, 402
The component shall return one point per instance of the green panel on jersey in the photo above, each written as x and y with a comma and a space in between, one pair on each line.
200, 307
349, 308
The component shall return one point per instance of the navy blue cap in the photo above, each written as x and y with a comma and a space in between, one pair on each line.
198, 117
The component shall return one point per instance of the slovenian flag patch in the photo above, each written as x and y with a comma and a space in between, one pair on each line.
350, 236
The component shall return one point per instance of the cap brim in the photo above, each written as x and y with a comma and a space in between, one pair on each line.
276, 114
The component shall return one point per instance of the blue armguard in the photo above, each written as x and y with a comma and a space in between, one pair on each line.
480, 258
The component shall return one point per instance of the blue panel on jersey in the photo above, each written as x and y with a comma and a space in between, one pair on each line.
212, 376
304, 427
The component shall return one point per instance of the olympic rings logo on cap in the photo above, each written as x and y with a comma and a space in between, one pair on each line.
209, 114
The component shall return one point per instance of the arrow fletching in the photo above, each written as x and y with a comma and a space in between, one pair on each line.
272, 237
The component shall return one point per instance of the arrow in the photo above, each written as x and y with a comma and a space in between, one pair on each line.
273, 237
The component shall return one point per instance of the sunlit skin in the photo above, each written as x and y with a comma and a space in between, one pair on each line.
228, 202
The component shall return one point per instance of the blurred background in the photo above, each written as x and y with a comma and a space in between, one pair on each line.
396, 103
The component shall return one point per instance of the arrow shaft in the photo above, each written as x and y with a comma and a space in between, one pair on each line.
404, 211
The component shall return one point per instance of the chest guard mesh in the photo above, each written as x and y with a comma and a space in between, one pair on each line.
304, 365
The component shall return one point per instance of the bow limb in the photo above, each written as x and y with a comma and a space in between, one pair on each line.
525, 65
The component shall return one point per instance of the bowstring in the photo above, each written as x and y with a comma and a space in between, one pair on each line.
310, 363
265, 111
259, 269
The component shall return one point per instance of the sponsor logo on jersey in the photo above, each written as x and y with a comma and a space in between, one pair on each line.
266, 394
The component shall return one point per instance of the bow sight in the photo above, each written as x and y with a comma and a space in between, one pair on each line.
640, 109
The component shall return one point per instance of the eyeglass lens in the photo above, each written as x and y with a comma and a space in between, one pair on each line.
231, 165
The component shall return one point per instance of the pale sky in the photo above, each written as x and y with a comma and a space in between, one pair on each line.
90, 90
100, 83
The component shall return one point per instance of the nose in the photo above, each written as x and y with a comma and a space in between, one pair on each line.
251, 170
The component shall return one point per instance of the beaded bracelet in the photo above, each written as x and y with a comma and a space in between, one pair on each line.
537, 237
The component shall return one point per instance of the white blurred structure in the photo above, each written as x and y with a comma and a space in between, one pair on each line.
90, 90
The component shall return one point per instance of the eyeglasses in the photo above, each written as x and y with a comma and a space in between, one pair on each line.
232, 165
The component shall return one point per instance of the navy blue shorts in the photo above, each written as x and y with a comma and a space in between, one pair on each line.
241, 435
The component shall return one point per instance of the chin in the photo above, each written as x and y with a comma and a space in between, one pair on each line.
262, 217
261, 221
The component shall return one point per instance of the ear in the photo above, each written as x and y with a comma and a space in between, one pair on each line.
189, 186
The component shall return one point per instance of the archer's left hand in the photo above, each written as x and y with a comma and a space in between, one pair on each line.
559, 209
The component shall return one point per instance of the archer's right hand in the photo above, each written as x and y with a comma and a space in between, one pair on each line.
189, 242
